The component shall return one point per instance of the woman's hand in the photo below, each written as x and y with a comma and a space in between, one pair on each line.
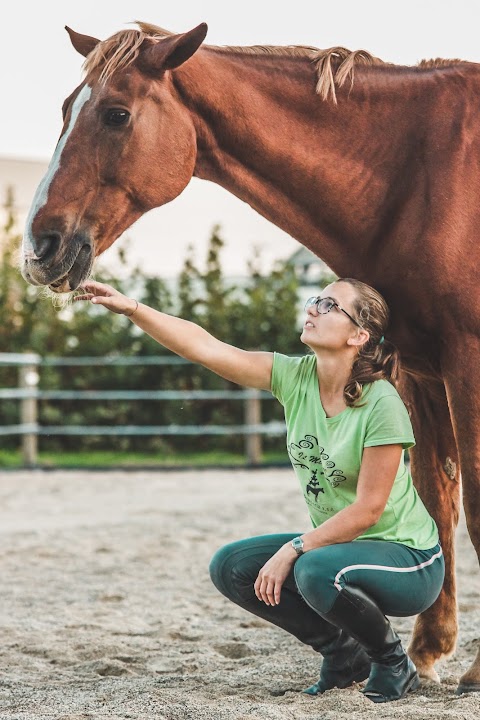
268, 585
101, 294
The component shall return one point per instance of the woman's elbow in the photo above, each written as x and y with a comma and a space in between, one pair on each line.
370, 515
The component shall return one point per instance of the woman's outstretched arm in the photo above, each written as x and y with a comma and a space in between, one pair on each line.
252, 369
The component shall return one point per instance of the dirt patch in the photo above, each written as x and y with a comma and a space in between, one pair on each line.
107, 609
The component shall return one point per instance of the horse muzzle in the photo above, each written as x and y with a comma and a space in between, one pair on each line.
52, 261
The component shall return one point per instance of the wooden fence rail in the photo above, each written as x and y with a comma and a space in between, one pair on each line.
29, 394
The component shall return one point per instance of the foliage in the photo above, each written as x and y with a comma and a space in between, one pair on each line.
34, 322
258, 314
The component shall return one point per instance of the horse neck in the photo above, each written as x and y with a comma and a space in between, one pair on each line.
307, 165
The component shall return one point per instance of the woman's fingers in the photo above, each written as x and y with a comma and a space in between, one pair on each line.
97, 299
271, 577
277, 593
97, 288
263, 592
103, 294
118, 303
268, 590
260, 589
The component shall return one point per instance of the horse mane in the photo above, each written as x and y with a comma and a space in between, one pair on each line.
438, 62
333, 65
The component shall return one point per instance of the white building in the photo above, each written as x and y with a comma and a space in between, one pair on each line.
310, 270
22, 176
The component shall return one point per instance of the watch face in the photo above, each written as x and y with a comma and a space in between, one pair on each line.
297, 544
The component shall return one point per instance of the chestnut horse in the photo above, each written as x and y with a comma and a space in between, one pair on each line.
377, 173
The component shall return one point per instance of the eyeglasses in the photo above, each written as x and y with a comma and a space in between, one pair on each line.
324, 305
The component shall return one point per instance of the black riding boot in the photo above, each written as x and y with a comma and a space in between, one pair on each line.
344, 662
392, 674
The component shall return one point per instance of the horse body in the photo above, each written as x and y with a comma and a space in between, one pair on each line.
381, 185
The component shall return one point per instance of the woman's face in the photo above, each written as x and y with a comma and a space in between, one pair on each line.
332, 330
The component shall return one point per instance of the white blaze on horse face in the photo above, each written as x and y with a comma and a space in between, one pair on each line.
41, 195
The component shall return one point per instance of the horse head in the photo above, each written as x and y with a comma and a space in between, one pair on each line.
127, 145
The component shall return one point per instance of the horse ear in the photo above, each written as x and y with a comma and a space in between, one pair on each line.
84, 44
172, 51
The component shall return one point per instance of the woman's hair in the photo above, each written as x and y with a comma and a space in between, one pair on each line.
377, 359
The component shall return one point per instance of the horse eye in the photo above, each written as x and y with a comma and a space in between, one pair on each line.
116, 117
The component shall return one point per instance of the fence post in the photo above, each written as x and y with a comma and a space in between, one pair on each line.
28, 380
253, 416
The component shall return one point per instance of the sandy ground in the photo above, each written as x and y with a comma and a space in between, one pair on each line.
107, 610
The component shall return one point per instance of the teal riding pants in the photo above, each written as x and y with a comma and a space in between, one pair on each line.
402, 581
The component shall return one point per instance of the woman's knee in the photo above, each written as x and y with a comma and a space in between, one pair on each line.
219, 566
235, 567
233, 570
315, 580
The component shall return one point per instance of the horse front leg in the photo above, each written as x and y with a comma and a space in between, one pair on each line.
436, 475
461, 371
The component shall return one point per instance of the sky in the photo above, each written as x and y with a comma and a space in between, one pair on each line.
39, 68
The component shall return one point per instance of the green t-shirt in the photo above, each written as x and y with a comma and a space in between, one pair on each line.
326, 452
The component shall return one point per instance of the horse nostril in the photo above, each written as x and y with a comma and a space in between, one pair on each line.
47, 244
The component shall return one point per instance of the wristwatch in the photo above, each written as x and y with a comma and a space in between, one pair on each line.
297, 544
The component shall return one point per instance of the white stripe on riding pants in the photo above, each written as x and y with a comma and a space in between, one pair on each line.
384, 567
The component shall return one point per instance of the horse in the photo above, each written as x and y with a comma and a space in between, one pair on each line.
372, 166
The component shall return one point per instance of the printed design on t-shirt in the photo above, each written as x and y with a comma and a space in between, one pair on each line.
314, 486
300, 456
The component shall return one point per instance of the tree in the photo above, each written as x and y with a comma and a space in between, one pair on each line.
188, 286
260, 313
